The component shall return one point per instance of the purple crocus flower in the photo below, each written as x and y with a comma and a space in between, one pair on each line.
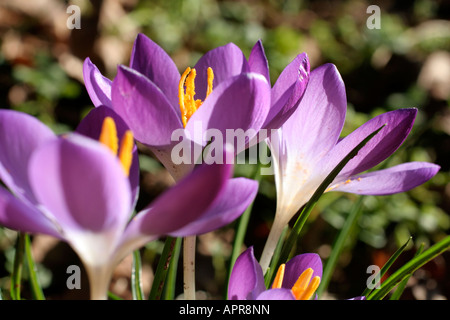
224, 91
297, 279
83, 192
308, 146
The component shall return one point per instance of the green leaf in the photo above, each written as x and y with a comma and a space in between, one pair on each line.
169, 288
387, 265
136, 280
410, 267
401, 287
32, 270
338, 245
162, 269
16, 276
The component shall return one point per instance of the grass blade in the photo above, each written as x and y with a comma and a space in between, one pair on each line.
16, 276
38, 294
387, 265
169, 288
162, 269
408, 268
401, 287
136, 276
338, 245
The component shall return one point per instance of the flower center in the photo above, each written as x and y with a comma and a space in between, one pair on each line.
108, 137
188, 105
303, 288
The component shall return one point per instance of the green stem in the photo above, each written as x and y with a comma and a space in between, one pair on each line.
32, 270
162, 269
169, 293
16, 276
338, 246
136, 276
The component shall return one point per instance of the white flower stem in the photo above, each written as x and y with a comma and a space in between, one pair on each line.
99, 280
272, 241
189, 267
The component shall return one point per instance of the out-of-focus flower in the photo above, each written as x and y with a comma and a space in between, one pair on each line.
82, 191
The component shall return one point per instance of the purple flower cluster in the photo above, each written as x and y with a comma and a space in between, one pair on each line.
82, 187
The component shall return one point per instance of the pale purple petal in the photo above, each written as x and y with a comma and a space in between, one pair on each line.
97, 86
240, 105
144, 108
82, 184
153, 62
91, 126
246, 280
20, 135
382, 145
226, 62
276, 294
315, 126
16, 215
298, 264
258, 61
232, 202
358, 298
288, 91
400, 178
183, 203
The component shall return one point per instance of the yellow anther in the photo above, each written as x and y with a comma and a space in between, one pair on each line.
303, 288
302, 283
312, 287
188, 104
126, 151
279, 277
108, 135
210, 81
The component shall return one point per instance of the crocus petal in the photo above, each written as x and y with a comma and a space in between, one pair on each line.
305, 138
97, 86
246, 279
152, 61
358, 298
91, 126
400, 178
144, 108
315, 126
276, 294
398, 125
287, 91
258, 61
226, 62
298, 264
236, 197
183, 203
239, 105
20, 135
82, 184
16, 215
